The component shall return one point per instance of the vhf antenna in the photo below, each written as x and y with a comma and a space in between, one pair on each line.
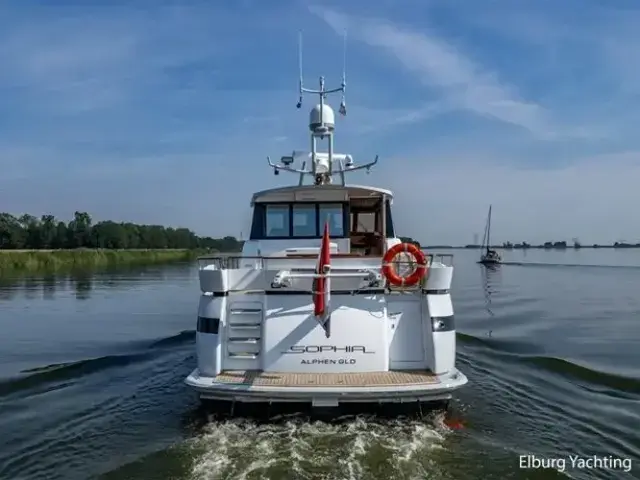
299, 104
322, 92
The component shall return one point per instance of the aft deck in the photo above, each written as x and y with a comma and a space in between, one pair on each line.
395, 378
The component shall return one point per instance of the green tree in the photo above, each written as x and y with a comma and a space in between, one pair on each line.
79, 230
29, 232
47, 231
60, 238
12, 234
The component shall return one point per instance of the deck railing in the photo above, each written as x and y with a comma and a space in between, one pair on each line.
233, 261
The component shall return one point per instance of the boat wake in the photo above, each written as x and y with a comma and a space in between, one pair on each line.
530, 354
50, 377
340, 450
136, 386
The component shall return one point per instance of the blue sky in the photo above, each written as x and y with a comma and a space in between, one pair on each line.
164, 112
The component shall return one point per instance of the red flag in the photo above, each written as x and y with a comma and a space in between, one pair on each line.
320, 283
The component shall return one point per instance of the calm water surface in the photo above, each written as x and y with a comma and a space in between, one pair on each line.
92, 367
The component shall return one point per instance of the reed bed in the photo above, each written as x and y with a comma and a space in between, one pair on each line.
52, 260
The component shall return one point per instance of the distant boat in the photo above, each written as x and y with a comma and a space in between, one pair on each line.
489, 256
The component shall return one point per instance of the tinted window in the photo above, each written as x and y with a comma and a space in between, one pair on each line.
333, 214
304, 220
277, 224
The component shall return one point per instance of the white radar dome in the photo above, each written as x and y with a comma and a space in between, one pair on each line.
322, 115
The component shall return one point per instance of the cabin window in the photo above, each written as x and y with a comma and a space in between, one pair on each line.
333, 214
299, 220
304, 220
277, 224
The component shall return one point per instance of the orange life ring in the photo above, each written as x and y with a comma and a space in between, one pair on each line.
390, 273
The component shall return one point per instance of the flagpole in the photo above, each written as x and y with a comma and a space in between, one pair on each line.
322, 284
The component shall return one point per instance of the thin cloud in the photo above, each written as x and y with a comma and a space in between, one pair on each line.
584, 44
438, 64
363, 120
92, 59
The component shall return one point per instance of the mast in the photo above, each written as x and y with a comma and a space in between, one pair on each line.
489, 230
321, 125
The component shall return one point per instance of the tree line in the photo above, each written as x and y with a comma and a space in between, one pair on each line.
47, 232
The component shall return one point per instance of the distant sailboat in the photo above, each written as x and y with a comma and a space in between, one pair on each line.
489, 256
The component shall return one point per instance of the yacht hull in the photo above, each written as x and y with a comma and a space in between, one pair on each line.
490, 262
259, 341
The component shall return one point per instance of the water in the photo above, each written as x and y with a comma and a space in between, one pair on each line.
92, 367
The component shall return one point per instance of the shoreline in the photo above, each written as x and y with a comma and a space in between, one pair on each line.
63, 260
30, 261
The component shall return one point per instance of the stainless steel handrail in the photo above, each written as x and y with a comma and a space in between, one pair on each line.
234, 261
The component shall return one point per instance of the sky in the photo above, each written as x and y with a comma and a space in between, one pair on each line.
164, 112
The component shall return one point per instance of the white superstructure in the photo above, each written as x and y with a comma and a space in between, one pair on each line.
259, 335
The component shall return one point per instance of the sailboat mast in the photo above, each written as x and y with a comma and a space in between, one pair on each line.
489, 230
